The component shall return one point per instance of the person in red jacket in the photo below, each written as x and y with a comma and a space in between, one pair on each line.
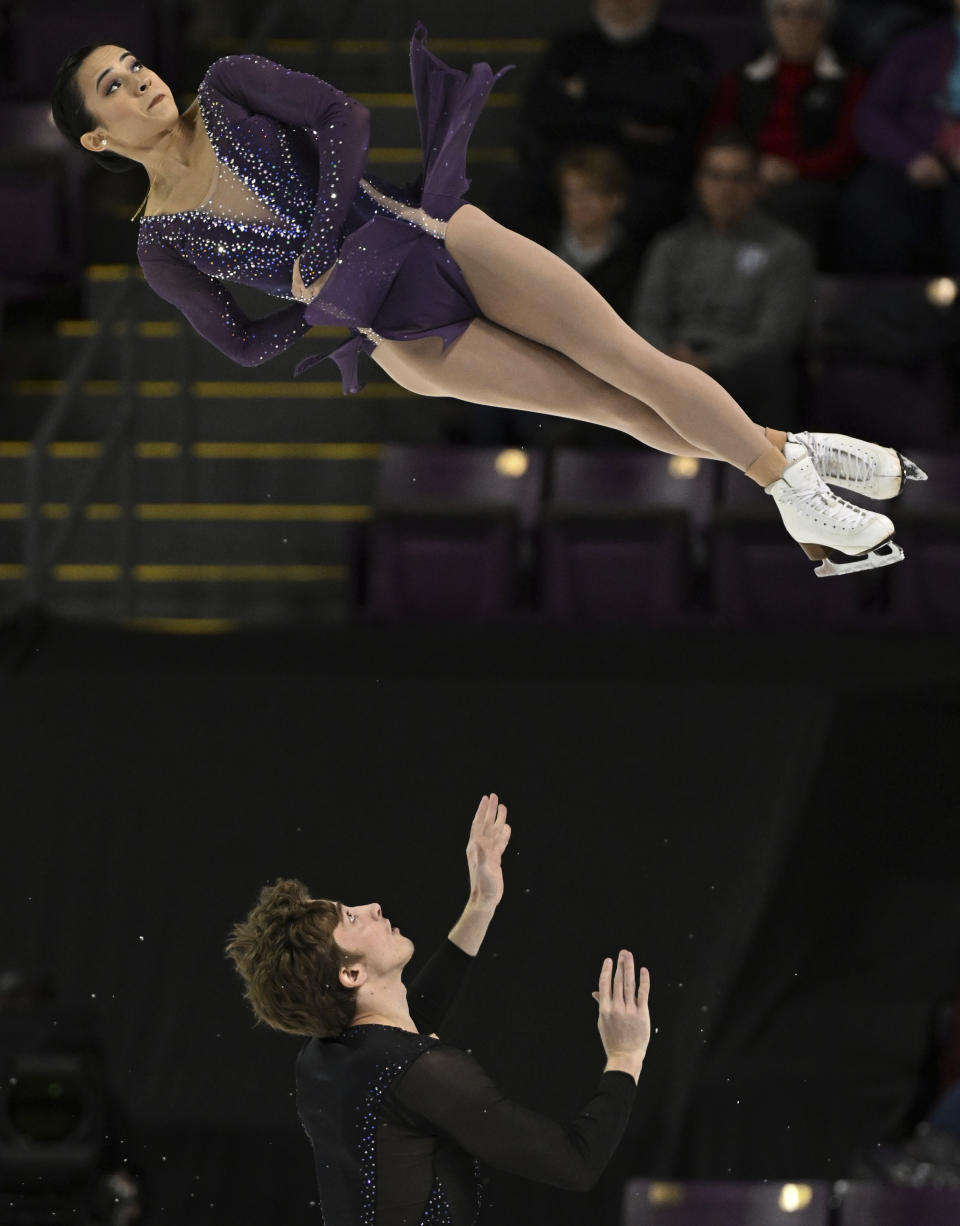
796, 102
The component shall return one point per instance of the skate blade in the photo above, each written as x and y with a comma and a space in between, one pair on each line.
842, 564
909, 470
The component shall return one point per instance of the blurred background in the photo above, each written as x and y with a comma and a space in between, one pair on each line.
251, 627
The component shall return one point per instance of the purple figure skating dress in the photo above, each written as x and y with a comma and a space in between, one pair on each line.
291, 152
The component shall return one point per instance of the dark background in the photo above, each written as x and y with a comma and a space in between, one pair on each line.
769, 822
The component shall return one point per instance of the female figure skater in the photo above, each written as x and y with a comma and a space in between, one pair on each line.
261, 181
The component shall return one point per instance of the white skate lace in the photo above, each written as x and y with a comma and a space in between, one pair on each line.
834, 460
819, 500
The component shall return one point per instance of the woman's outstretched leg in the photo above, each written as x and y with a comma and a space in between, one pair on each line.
488, 365
528, 290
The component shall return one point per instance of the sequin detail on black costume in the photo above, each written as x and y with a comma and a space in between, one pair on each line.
437, 1210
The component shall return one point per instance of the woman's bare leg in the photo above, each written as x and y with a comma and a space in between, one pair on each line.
529, 291
489, 365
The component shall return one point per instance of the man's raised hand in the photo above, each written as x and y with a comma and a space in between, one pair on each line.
624, 1018
489, 836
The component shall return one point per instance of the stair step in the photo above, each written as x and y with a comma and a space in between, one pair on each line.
382, 413
213, 604
271, 548
222, 476
203, 512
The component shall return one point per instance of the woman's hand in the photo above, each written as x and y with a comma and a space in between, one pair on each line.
489, 836
306, 293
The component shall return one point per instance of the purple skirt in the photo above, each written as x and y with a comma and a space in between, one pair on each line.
390, 275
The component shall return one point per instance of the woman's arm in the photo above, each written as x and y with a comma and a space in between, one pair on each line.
212, 311
340, 127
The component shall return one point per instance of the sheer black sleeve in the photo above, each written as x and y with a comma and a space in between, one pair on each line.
431, 995
446, 1091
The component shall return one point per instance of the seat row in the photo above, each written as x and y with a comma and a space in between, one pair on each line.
772, 1203
478, 534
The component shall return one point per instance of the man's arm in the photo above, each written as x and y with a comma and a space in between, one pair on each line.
432, 994
489, 836
446, 1091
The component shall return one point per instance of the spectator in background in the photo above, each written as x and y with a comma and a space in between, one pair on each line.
728, 290
797, 102
630, 83
902, 212
864, 30
592, 188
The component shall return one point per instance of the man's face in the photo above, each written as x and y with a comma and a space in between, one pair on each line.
799, 28
365, 933
585, 205
624, 17
727, 185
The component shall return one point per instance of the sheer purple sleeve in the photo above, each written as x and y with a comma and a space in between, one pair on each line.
213, 312
340, 127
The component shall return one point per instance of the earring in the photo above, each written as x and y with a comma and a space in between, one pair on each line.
103, 140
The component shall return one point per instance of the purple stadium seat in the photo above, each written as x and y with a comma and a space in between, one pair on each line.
702, 1203
28, 128
925, 590
875, 1204
901, 407
616, 542
34, 239
39, 36
878, 370
479, 478
444, 544
762, 578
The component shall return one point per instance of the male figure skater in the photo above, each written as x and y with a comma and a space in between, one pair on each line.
397, 1118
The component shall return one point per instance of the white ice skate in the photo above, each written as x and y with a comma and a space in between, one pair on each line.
842, 537
853, 464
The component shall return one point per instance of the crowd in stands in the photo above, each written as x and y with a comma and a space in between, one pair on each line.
835, 148
706, 206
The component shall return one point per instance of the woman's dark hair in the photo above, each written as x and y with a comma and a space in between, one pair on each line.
70, 113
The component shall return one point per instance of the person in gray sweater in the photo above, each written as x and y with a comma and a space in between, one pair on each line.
727, 290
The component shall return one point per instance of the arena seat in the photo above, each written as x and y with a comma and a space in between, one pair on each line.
649, 1202
877, 346
925, 591
35, 248
761, 577
875, 1204
40, 36
446, 538
620, 535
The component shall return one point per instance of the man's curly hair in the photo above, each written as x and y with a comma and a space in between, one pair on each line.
285, 954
